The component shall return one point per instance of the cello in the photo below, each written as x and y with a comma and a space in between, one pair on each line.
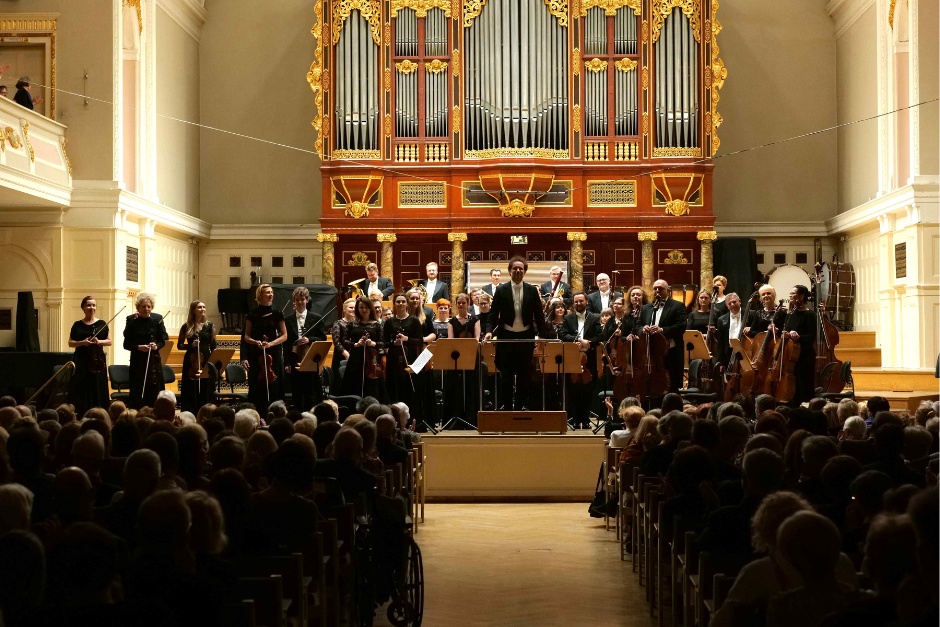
827, 338
764, 357
781, 377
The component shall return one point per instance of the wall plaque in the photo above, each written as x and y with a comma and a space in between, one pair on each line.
132, 264
900, 260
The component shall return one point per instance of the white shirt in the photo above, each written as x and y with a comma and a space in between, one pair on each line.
432, 286
517, 324
580, 325
605, 300
734, 326
657, 315
373, 287
301, 317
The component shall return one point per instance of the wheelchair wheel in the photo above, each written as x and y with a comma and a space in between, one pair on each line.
407, 608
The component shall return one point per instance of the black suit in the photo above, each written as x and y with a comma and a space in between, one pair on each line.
515, 358
672, 321
723, 337
441, 290
594, 300
579, 395
383, 284
548, 290
306, 387
489, 288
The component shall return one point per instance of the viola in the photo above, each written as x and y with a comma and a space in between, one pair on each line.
262, 367
373, 361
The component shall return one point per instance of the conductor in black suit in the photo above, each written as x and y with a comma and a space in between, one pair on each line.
436, 289
306, 387
377, 283
583, 327
667, 316
516, 314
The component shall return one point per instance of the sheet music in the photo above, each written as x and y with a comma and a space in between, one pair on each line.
421, 361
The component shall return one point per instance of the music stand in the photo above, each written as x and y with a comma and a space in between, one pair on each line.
695, 347
456, 354
165, 352
567, 359
487, 364
315, 357
744, 360
220, 356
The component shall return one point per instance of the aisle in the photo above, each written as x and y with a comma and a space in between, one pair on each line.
544, 564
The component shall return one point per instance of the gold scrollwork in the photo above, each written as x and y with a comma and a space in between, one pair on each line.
140, 20
356, 154
719, 74
625, 65
647, 236
29, 145
456, 237
646, 123
576, 61
455, 119
388, 79
317, 78
646, 78
388, 124
610, 6
357, 210
891, 14
406, 67
497, 153
577, 236
576, 110
9, 134
371, 10
358, 258
559, 9
677, 207
595, 65
421, 7
455, 61
675, 257
327, 237
677, 152
391, 238
436, 66
710, 236
471, 11
68, 163
517, 209
661, 9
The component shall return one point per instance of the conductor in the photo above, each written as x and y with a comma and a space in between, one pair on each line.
516, 314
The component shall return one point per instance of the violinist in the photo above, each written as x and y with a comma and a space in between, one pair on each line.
762, 319
89, 385
403, 338
144, 336
362, 339
336, 334
719, 298
442, 308
583, 327
667, 316
800, 326
303, 328
197, 338
698, 319
424, 388
463, 323
556, 315
265, 330
458, 385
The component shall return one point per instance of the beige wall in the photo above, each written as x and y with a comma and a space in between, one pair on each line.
928, 33
83, 43
254, 60
177, 97
857, 97
781, 83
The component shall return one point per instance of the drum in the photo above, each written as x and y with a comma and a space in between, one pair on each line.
783, 278
837, 287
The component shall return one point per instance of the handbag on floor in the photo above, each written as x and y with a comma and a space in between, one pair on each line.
600, 506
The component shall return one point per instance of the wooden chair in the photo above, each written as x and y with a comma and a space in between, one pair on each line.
240, 614
636, 511
421, 481
268, 597
611, 487
651, 520
314, 563
689, 561
290, 568
331, 586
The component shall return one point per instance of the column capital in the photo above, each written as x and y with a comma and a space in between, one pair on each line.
647, 236
577, 236
706, 236
386, 237
54, 303
456, 237
327, 237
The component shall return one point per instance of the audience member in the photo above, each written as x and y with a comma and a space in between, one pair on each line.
675, 427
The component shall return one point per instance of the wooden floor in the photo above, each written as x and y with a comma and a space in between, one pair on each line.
542, 564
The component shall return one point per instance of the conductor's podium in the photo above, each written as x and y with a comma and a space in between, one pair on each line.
522, 422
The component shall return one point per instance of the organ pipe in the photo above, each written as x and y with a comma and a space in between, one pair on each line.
357, 87
677, 107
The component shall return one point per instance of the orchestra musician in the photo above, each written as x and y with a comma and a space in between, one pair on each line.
490, 288
362, 340
264, 332
89, 384
729, 326
667, 316
516, 314
600, 300
303, 328
583, 327
719, 285
376, 283
336, 334
555, 287
144, 336
460, 391
423, 382
404, 339
761, 319
699, 318
436, 289
800, 325
197, 338
556, 315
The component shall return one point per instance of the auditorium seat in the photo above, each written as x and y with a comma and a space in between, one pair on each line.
120, 377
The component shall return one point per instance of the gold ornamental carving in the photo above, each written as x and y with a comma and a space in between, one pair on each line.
719, 74
421, 7
645, 31
29, 145
498, 153
662, 9
559, 10
406, 67
388, 124
675, 257
358, 258
577, 236
576, 110
68, 162
646, 123
455, 60
386, 237
610, 6
135, 4
625, 65
891, 14
595, 65
327, 237
677, 207
455, 119
576, 61
706, 236
357, 210
371, 10
517, 209
677, 152
456, 237
646, 78
327, 257
576, 9
647, 236
436, 66
356, 154
646, 260
706, 257
388, 79
388, 34
9, 134
317, 78
471, 11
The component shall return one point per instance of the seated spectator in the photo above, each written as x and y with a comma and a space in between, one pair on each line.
867, 500
370, 458
323, 437
671, 402
387, 446
22, 578
764, 440
793, 457
26, 450
228, 452
280, 429
246, 423
772, 422
406, 433
125, 438
853, 428
344, 467
62, 449
875, 405
164, 408
763, 403
115, 409
809, 543
675, 427
8, 415
205, 413
88, 454
141, 474
734, 436
193, 444
16, 505
73, 496
260, 445
889, 446
164, 445
374, 411
690, 467
646, 437
227, 415
769, 575
207, 540
630, 415
233, 493
816, 451
306, 426
706, 434
917, 445
326, 412
836, 480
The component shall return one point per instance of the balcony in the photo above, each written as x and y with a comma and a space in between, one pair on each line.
34, 166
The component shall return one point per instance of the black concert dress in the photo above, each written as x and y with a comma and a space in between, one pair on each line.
804, 323
461, 388
355, 381
139, 331
399, 384
194, 393
89, 385
265, 385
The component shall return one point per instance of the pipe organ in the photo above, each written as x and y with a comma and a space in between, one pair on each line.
463, 115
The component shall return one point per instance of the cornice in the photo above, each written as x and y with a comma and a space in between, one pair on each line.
191, 15
274, 232
43, 191
104, 195
771, 229
919, 201
844, 13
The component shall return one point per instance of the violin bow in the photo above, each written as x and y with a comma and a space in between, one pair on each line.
108, 322
149, 351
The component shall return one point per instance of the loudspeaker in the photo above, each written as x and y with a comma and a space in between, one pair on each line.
234, 301
27, 324
736, 259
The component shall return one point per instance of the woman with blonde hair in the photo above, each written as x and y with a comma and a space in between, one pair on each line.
144, 336
265, 330
197, 338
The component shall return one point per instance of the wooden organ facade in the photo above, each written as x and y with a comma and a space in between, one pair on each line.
588, 126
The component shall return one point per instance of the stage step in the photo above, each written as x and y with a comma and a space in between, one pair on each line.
899, 401
895, 379
860, 357
856, 339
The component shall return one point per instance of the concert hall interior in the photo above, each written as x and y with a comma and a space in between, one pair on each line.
166, 154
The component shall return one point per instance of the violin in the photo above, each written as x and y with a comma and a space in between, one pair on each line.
263, 365
95, 360
585, 376
196, 361
373, 361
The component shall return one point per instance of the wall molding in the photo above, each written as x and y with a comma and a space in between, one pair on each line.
191, 15
106, 195
771, 229
844, 13
918, 202
259, 232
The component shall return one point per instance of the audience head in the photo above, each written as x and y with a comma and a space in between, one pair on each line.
816, 450
324, 412
734, 435
228, 452
793, 454
247, 422
207, 533
706, 434
292, 466
163, 522
280, 429
85, 567
877, 404
854, 428
647, 432
227, 415
763, 472
671, 402
675, 426
868, 490
26, 448
890, 552
837, 476
347, 445
365, 402
385, 428
8, 415
889, 440
374, 411
810, 543
16, 506
765, 441
193, 443
88, 452
164, 408
917, 445
764, 402
631, 415
73, 495
367, 431
306, 426
730, 409
923, 513
259, 446
23, 576
772, 511
323, 438
164, 445
142, 471
66, 413
125, 438
690, 467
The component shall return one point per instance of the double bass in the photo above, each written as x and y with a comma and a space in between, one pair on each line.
781, 376
827, 338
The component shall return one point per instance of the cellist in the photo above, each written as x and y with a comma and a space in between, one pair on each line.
583, 327
668, 317
801, 327
264, 332
762, 319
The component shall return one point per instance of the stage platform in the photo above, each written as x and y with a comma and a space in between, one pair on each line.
468, 466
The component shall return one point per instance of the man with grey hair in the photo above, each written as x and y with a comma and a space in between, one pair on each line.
762, 403
247, 422
600, 300
854, 428
142, 471
277, 409
164, 408
555, 286
387, 446
344, 466
675, 427
88, 453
